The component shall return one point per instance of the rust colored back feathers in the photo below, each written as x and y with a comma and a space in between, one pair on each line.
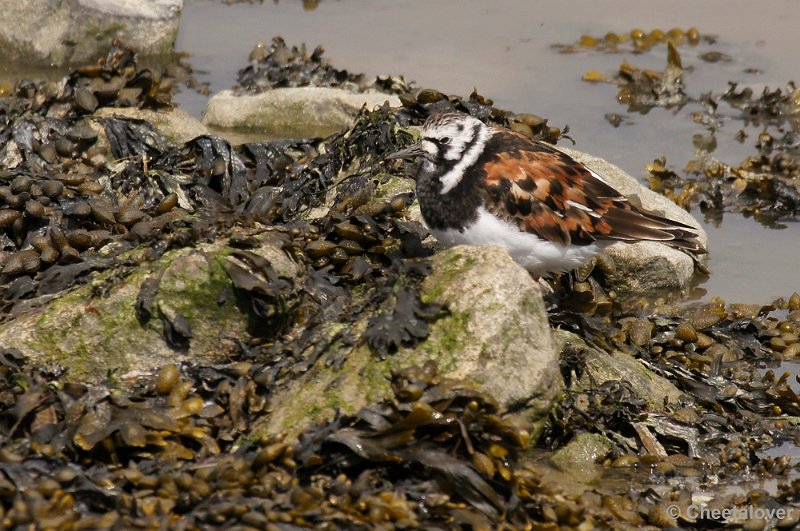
547, 193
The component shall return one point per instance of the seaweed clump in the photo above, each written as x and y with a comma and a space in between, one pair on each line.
718, 355
764, 186
73, 184
278, 66
173, 451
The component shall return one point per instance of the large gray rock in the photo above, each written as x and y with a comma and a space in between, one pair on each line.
63, 32
291, 112
496, 338
497, 334
644, 266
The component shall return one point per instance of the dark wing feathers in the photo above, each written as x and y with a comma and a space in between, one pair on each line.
548, 193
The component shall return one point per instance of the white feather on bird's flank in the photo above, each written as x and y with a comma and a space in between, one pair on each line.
535, 254
586, 209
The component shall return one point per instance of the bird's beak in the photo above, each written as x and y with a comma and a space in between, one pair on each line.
414, 150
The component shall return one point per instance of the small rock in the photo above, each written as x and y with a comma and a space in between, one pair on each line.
602, 367
291, 112
644, 266
584, 451
175, 124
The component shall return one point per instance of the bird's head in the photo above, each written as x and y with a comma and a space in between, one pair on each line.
445, 138
449, 143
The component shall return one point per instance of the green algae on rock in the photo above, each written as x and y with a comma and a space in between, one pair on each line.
92, 335
291, 112
583, 454
601, 367
495, 338
497, 334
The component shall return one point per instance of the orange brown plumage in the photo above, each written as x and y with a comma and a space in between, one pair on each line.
546, 192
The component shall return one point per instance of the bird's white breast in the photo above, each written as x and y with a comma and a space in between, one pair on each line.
535, 254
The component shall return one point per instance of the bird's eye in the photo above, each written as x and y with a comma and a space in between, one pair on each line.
444, 140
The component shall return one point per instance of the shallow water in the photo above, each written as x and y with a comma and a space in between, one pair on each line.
504, 51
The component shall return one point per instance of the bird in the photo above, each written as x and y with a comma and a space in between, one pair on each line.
488, 185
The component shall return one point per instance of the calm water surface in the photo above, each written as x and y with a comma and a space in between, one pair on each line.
503, 50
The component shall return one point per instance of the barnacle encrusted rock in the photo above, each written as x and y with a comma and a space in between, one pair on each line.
644, 266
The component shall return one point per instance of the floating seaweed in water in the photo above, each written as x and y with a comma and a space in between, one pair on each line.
641, 90
764, 186
635, 41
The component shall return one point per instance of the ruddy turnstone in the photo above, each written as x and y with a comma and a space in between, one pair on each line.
482, 185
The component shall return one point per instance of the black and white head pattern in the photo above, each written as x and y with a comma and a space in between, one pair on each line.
452, 143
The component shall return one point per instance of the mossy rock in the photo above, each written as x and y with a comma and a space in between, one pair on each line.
583, 452
293, 112
98, 336
496, 338
601, 367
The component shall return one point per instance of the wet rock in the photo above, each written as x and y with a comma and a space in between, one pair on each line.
175, 125
291, 112
649, 266
582, 453
644, 266
602, 367
496, 338
61, 32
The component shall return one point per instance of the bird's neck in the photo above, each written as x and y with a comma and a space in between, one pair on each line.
454, 209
